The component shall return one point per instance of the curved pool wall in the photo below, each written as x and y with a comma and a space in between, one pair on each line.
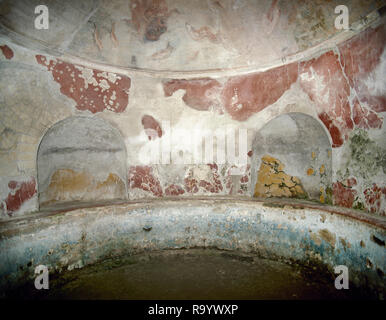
293, 231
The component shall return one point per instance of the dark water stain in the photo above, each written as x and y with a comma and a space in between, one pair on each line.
193, 274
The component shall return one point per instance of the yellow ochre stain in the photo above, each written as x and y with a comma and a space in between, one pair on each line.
272, 181
69, 185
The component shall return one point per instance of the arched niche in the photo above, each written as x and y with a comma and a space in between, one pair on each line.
81, 159
292, 158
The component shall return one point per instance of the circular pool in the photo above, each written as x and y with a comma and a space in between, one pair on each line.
215, 248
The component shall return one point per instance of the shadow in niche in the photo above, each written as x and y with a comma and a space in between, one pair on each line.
81, 159
292, 159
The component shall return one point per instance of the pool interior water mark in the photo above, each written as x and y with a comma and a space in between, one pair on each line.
193, 274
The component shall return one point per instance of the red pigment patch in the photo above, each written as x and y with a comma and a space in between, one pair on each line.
202, 34
215, 185
343, 196
245, 95
250, 153
200, 94
141, 177
271, 10
350, 182
92, 90
152, 127
7, 52
12, 184
229, 183
335, 133
360, 56
365, 118
244, 179
191, 184
374, 196
174, 190
22, 191
324, 82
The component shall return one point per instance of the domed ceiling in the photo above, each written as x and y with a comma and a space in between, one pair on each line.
179, 35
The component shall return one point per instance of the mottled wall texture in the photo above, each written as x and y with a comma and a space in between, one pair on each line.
81, 115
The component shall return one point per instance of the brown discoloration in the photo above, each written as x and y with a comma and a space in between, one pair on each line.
191, 184
369, 264
328, 237
200, 94
365, 118
272, 181
203, 33
377, 240
20, 193
113, 36
69, 185
97, 38
211, 183
360, 56
244, 179
214, 185
343, 195
142, 177
344, 243
7, 51
272, 18
174, 190
112, 181
374, 197
323, 80
164, 53
245, 95
155, 28
12, 184
91, 89
271, 10
152, 127
314, 237
150, 17
330, 79
310, 172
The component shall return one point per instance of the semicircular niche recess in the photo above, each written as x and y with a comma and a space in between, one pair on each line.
292, 159
81, 159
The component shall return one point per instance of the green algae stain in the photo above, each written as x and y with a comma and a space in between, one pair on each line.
366, 157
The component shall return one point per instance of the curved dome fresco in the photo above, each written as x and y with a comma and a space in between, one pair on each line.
179, 35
